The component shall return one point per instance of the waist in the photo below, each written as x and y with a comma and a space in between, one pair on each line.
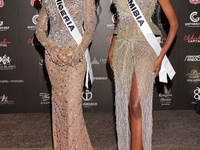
131, 38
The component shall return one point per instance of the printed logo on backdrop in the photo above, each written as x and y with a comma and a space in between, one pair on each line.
192, 58
196, 95
45, 98
193, 76
96, 62
88, 102
34, 42
34, 20
41, 63
5, 63
36, 3
162, 40
192, 38
2, 27
100, 78
165, 98
113, 17
194, 17
4, 43
1, 3
109, 39
11, 81
114, 20
194, 1
102, 60
4, 101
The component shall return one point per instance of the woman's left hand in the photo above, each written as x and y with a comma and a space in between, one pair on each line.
157, 66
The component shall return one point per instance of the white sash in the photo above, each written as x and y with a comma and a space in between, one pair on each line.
166, 67
68, 21
75, 34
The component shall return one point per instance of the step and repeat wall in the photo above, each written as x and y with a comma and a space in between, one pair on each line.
24, 82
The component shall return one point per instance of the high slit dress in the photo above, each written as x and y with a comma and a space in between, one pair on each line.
69, 129
132, 53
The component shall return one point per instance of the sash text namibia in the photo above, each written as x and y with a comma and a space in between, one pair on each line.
135, 12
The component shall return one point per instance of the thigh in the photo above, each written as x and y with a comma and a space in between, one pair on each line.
134, 102
134, 98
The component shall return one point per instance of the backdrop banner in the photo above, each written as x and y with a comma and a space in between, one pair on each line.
24, 82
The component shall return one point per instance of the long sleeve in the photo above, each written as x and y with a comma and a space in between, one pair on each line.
89, 24
71, 54
41, 29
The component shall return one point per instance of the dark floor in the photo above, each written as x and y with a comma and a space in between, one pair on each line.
173, 130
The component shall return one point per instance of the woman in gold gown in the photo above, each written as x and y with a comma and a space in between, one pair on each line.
135, 65
66, 67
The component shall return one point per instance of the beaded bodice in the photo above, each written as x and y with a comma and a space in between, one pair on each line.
127, 22
83, 14
66, 65
61, 36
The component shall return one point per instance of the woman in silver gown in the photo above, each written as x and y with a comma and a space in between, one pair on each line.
66, 67
135, 65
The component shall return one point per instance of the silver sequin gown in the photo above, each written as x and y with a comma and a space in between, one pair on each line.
132, 53
69, 129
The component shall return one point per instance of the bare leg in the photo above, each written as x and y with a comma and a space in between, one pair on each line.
129, 117
135, 114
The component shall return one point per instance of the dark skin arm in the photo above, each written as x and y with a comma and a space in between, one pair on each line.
110, 57
173, 21
110, 54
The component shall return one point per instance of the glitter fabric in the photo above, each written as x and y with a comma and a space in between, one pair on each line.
69, 129
132, 53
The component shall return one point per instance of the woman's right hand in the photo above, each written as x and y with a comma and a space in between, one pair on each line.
63, 56
55, 52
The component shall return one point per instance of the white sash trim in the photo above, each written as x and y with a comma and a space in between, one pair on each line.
68, 21
76, 35
166, 67
89, 69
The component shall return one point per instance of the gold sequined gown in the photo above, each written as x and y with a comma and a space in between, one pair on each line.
132, 53
69, 129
